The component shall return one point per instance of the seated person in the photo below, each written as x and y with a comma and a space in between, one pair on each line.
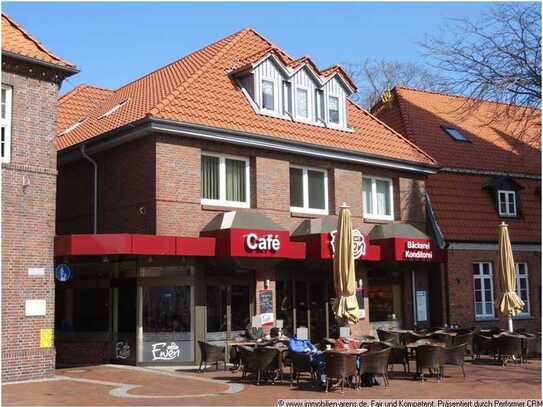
315, 356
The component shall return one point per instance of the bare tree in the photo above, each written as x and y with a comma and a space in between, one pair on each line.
496, 58
375, 76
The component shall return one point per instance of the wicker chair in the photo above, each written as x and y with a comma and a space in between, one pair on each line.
211, 354
432, 358
340, 366
300, 363
391, 337
483, 344
454, 355
375, 346
441, 337
263, 361
376, 363
508, 346
464, 339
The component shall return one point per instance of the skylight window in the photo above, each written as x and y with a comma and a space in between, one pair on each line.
455, 134
114, 109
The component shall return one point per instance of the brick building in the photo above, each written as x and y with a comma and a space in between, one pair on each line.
206, 192
31, 77
490, 172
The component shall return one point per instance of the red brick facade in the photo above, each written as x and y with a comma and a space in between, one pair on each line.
152, 185
28, 220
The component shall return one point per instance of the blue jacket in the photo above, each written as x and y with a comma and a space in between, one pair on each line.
301, 346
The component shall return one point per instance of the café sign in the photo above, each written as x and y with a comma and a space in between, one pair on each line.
359, 243
267, 243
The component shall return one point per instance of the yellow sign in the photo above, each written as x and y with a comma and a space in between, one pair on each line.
46, 338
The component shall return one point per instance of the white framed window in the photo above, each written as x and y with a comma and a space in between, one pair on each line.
507, 203
483, 290
378, 198
308, 190
225, 180
268, 94
302, 103
5, 123
287, 98
523, 287
333, 110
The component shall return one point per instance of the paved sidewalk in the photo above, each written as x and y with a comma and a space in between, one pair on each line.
123, 385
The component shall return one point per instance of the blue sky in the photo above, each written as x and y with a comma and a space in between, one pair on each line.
113, 43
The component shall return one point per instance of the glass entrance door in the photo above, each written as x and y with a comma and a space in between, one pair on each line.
228, 312
302, 302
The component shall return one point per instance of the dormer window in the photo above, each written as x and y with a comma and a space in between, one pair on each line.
287, 98
333, 109
302, 103
268, 95
507, 203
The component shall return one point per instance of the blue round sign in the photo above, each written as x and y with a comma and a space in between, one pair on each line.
63, 272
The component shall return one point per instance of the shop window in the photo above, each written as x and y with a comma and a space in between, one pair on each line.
240, 305
507, 203
5, 124
308, 190
384, 296
377, 195
167, 325
216, 311
225, 180
483, 290
523, 287
283, 304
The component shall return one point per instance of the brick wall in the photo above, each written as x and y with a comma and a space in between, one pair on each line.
28, 221
126, 191
460, 288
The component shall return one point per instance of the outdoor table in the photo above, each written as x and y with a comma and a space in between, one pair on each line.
425, 342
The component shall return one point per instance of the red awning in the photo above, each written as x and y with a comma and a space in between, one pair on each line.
320, 247
133, 244
409, 249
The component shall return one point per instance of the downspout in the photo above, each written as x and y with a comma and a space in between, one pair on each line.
95, 208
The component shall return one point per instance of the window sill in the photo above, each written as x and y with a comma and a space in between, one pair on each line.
369, 219
221, 207
486, 319
310, 215
522, 317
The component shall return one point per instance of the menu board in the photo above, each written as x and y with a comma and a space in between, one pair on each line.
265, 299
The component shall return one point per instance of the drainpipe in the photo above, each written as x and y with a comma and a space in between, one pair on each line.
95, 208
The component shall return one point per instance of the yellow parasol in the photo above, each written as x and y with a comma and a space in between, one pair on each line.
510, 303
346, 305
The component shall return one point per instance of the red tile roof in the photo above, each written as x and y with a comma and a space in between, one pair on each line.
78, 103
510, 145
197, 89
466, 212
17, 41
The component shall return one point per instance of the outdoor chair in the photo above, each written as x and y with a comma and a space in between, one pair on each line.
211, 354
509, 347
431, 358
483, 344
399, 355
464, 339
454, 355
375, 363
387, 336
340, 366
374, 346
262, 361
300, 363
441, 337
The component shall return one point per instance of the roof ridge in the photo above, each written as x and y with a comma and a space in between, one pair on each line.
76, 89
168, 99
35, 41
401, 137
453, 95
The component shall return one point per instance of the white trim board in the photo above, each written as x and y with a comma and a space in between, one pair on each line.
493, 247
